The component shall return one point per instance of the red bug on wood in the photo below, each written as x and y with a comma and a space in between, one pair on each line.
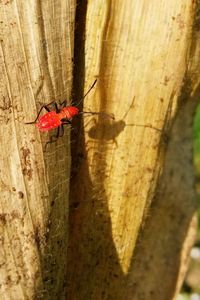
59, 117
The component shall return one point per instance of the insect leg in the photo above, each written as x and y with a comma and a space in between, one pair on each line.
64, 103
45, 106
53, 138
66, 121
60, 132
62, 126
56, 107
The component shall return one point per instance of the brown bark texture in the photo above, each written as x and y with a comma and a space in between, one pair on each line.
132, 196
36, 47
131, 202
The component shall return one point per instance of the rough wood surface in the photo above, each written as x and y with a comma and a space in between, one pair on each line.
165, 243
138, 51
36, 48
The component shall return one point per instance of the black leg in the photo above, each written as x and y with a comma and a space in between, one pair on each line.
66, 121
45, 106
62, 128
64, 103
56, 107
53, 138
60, 133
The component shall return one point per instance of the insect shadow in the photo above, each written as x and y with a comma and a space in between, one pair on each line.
109, 130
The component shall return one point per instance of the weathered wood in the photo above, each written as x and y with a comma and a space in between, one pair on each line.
138, 51
162, 255
36, 49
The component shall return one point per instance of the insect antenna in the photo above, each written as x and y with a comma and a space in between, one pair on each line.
81, 100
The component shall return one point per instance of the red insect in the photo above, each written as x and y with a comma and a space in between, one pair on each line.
59, 117
54, 119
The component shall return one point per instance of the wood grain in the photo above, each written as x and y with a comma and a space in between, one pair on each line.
36, 49
138, 52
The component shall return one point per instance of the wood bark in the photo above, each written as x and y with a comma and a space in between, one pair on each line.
139, 51
36, 49
121, 246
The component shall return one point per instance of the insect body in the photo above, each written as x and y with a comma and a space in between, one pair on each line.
60, 116
53, 119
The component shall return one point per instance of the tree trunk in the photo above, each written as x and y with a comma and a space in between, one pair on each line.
131, 210
36, 66
138, 50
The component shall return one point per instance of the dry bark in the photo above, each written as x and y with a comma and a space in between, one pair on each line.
138, 50
36, 47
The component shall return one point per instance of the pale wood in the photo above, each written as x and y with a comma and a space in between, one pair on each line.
36, 49
162, 254
169, 233
138, 51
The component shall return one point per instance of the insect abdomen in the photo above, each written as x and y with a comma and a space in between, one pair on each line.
48, 121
